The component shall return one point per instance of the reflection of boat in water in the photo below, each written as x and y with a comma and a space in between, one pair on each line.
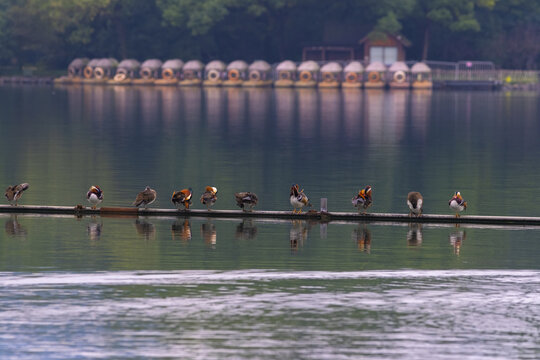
362, 236
298, 234
181, 230
246, 230
456, 239
209, 233
13, 228
414, 235
145, 229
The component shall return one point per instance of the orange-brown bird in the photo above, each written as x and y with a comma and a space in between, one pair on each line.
363, 199
209, 197
182, 197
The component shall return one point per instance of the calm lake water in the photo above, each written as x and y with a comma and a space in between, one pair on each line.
172, 287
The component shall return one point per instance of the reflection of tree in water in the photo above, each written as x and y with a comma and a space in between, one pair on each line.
298, 234
246, 230
209, 233
13, 228
456, 239
414, 235
94, 229
181, 231
145, 229
362, 236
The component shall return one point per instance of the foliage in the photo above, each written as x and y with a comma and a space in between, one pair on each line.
52, 32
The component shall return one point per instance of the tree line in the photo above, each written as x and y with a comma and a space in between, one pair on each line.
50, 33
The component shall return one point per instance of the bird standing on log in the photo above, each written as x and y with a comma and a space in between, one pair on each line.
94, 196
415, 201
363, 199
457, 203
209, 197
298, 199
14, 192
182, 197
145, 197
246, 200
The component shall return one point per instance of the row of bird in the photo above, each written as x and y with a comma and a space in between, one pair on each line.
247, 200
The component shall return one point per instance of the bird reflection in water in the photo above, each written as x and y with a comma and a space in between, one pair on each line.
94, 229
298, 234
246, 230
13, 228
362, 236
181, 230
456, 239
209, 234
414, 235
145, 229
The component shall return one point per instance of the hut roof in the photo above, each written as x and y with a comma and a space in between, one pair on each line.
420, 67
398, 66
129, 64
93, 62
308, 66
215, 65
286, 65
153, 64
376, 66
78, 63
354, 66
194, 65
332, 67
175, 64
238, 65
107, 63
260, 65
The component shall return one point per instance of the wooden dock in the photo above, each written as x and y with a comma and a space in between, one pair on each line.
282, 215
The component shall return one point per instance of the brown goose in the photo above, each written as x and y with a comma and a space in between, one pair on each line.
145, 197
14, 193
246, 200
415, 201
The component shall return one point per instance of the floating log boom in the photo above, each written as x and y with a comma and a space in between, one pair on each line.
287, 215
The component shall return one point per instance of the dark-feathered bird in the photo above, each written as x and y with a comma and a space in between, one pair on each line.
415, 201
246, 200
14, 193
145, 197
182, 197
94, 196
363, 200
209, 197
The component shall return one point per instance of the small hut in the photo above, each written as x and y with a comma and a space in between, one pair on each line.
330, 75
88, 71
192, 73
353, 75
399, 75
259, 74
170, 72
308, 73
421, 76
285, 74
375, 76
213, 73
76, 67
127, 70
236, 73
105, 70
149, 72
